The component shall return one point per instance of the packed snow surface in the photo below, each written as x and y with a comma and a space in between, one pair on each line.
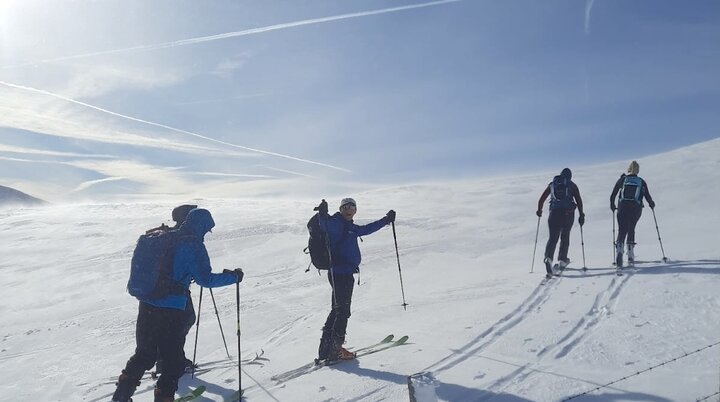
479, 321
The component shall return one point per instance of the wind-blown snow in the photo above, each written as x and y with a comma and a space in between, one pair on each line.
478, 321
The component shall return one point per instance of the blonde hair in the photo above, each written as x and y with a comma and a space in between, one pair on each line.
634, 168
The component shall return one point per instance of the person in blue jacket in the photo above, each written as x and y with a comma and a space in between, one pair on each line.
179, 214
160, 321
342, 235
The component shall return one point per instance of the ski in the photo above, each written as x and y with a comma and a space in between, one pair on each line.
192, 395
384, 344
618, 272
235, 397
371, 350
258, 359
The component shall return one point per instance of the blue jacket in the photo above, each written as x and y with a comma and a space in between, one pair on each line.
191, 260
345, 251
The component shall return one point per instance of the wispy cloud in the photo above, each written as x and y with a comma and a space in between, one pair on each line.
287, 171
588, 9
102, 79
207, 101
33, 151
90, 183
173, 129
246, 32
218, 174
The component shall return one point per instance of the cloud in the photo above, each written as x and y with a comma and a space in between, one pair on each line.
192, 41
102, 79
90, 183
169, 128
588, 8
227, 67
33, 151
160, 179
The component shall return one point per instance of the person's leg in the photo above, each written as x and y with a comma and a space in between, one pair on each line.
633, 219
632, 222
171, 339
344, 287
622, 220
326, 339
554, 225
190, 318
567, 224
145, 353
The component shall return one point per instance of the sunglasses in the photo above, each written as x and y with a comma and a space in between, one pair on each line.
348, 206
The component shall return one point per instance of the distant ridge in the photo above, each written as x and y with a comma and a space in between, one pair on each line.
11, 196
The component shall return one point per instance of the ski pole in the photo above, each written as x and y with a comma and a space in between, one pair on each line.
614, 245
582, 243
237, 302
537, 231
222, 333
197, 331
397, 254
659, 239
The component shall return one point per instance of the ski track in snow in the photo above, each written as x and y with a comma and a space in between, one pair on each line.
530, 305
603, 306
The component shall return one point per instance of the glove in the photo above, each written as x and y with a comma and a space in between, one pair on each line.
390, 216
652, 204
322, 208
238, 272
539, 213
612, 207
581, 219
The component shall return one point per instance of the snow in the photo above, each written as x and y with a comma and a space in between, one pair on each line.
479, 322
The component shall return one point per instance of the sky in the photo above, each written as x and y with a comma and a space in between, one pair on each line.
127, 98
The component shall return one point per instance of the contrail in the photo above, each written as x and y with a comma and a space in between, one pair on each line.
177, 130
588, 8
245, 32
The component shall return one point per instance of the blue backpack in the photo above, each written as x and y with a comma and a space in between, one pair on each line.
561, 194
631, 189
151, 266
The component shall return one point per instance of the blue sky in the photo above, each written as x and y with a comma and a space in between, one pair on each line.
118, 97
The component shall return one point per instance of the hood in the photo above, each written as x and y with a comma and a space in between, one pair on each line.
199, 221
566, 173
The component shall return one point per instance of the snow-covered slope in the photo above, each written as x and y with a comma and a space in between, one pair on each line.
478, 320
10, 196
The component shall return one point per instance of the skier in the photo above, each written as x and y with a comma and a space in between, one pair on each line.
178, 215
160, 322
565, 197
342, 235
632, 189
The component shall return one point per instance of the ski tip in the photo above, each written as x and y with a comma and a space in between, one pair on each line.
388, 338
403, 339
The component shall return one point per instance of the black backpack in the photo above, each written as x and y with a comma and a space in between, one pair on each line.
151, 266
561, 195
317, 245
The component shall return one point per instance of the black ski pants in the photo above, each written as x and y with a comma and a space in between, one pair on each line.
336, 322
190, 318
159, 329
628, 215
560, 223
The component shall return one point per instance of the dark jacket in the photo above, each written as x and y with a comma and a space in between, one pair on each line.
575, 195
191, 260
342, 238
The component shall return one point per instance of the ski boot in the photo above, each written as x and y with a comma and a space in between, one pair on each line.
619, 255
548, 267
125, 388
631, 254
160, 397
